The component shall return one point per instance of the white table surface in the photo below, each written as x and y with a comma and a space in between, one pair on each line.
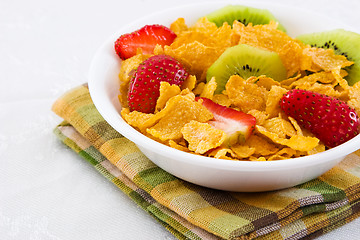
46, 190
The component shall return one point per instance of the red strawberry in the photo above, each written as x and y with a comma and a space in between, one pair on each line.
145, 38
329, 119
144, 86
237, 125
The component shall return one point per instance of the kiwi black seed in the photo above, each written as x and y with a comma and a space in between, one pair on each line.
246, 61
242, 14
344, 43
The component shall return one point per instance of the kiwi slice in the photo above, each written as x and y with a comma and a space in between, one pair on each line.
245, 61
243, 14
343, 43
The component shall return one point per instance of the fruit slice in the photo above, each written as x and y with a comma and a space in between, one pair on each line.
145, 38
237, 125
329, 119
245, 61
343, 43
145, 84
242, 14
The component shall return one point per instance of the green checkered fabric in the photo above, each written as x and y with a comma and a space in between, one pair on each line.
193, 212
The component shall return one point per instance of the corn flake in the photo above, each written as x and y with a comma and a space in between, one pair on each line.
189, 83
204, 25
319, 148
222, 153
221, 99
257, 159
284, 153
307, 81
324, 59
202, 136
178, 111
179, 26
259, 115
243, 151
246, 96
300, 143
167, 91
199, 88
178, 146
287, 82
209, 89
273, 98
280, 126
296, 126
135, 118
261, 145
266, 82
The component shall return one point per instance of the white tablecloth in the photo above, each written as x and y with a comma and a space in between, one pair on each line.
46, 190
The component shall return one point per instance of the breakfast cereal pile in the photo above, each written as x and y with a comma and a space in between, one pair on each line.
169, 96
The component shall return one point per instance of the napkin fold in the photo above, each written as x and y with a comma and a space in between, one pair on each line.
189, 211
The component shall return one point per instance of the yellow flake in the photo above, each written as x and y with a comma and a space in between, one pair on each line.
167, 91
189, 83
199, 88
273, 99
179, 26
202, 136
261, 145
135, 118
243, 151
221, 99
260, 116
266, 82
178, 111
280, 126
222, 153
296, 142
284, 153
324, 59
177, 146
209, 89
246, 96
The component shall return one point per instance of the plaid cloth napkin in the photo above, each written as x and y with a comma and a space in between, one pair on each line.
192, 212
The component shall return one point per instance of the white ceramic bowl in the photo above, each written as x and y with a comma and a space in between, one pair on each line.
210, 172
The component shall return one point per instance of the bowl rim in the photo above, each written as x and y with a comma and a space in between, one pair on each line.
139, 139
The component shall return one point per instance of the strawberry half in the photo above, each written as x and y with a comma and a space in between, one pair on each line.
145, 84
237, 125
329, 119
145, 38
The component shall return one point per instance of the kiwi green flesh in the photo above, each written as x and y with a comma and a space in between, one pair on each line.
344, 43
245, 61
242, 14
